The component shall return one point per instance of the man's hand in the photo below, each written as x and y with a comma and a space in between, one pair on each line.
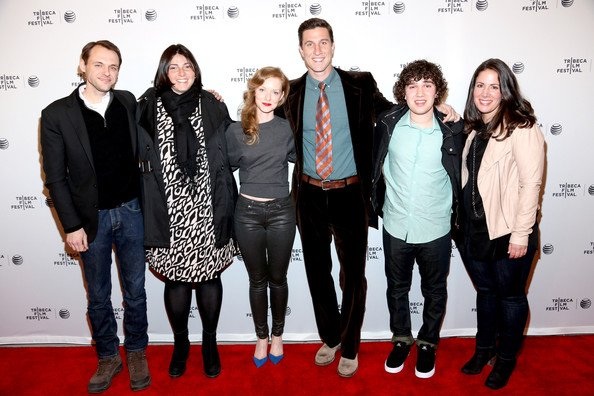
450, 113
216, 95
77, 240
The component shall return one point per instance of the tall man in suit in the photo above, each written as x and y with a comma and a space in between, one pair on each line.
332, 192
88, 142
335, 205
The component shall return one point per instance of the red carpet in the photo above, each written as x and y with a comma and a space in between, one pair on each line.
552, 365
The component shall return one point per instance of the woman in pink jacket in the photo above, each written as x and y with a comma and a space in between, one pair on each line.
503, 162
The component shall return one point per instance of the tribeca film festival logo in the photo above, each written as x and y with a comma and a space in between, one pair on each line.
12, 81
43, 18
415, 307
568, 190
288, 10
296, 255
123, 16
39, 313
568, 303
66, 259
374, 253
9, 81
372, 8
535, 5
574, 65
26, 202
589, 250
454, 6
243, 74
209, 12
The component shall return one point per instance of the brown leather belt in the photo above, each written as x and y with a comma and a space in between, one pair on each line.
330, 184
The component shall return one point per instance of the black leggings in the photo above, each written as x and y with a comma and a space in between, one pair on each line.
265, 232
178, 298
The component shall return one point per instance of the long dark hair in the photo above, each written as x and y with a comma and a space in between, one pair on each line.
162, 81
514, 111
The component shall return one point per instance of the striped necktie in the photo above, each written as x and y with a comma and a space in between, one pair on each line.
323, 135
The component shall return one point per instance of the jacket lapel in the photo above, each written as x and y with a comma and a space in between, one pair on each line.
74, 115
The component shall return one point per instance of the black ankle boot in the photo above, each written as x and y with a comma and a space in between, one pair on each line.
481, 357
210, 355
501, 372
181, 350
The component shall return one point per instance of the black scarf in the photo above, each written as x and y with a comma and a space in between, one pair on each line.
180, 107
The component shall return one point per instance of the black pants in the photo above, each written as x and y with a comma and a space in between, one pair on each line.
265, 233
322, 215
433, 259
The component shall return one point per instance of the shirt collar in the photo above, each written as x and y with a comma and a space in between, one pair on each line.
405, 121
331, 79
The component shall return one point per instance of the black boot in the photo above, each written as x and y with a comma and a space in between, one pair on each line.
181, 350
210, 355
501, 372
481, 357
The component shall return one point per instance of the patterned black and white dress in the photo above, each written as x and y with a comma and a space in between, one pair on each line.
192, 255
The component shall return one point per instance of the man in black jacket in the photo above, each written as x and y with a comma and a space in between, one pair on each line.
335, 206
88, 142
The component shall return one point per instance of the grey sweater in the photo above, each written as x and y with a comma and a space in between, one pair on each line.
263, 166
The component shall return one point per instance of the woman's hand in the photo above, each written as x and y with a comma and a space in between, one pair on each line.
516, 251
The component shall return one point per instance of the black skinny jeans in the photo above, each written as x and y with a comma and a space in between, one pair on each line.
265, 233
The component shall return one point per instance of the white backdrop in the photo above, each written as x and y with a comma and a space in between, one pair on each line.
547, 42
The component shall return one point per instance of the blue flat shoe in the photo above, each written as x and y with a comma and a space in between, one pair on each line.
275, 359
260, 362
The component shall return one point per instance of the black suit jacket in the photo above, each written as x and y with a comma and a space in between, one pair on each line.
68, 161
364, 103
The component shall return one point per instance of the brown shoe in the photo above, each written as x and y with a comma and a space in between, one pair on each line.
140, 378
326, 354
106, 370
347, 367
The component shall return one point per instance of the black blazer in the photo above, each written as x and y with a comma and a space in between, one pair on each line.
68, 161
364, 103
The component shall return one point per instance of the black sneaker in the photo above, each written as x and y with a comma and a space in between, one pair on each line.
425, 361
395, 362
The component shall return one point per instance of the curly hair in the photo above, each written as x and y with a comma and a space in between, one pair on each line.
249, 112
514, 111
417, 70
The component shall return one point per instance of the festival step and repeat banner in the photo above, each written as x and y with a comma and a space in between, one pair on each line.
547, 43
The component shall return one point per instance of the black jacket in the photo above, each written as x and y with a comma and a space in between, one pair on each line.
68, 161
451, 157
364, 103
224, 190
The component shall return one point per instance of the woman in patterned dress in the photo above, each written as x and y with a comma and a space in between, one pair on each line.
188, 199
